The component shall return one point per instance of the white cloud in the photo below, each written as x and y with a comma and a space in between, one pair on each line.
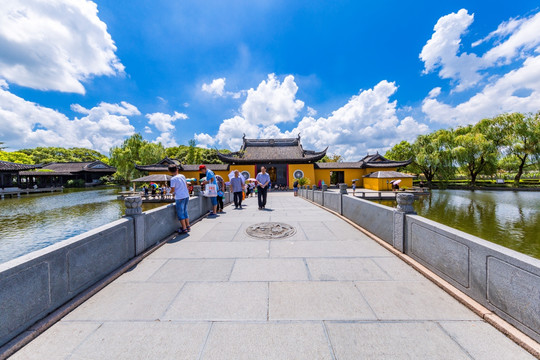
272, 102
311, 111
147, 130
441, 51
216, 87
27, 124
516, 43
523, 37
204, 140
367, 122
164, 124
54, 44
496, 98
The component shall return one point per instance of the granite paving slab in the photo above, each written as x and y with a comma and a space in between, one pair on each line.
398, 340
269, 270
179, 270
272, 341
220, 301
317, 301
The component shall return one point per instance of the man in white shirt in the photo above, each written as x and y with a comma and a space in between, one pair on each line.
181, 196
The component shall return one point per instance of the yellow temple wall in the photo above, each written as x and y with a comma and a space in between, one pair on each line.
384, 183
251, 169
349, 175
309, 173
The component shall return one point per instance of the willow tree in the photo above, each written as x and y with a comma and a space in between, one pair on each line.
133, 151
475, 152
524, 141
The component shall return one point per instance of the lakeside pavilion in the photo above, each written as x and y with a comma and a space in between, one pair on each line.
10, 174
285, 161
58, 174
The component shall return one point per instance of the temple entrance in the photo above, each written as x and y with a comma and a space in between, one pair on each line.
337, 177
278, 173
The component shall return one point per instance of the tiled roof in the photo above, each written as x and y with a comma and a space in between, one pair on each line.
387, 175
9, 166
213, 167
272, 151
70, 168
339, 165
162, 165
368, 161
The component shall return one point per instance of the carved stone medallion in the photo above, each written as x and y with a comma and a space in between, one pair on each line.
270, 230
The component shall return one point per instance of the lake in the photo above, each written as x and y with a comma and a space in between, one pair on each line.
507, 218
35, 221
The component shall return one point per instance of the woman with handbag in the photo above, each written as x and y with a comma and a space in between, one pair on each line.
211, 188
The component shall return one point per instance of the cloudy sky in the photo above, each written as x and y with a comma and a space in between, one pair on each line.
356, 76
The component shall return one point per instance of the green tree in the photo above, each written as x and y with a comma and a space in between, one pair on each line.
434, 155
475, 152
523, 141
133, 151
16, 157
403, 151
44, 155
332, 158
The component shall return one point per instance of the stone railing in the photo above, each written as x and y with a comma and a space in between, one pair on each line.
504, 281
36, 284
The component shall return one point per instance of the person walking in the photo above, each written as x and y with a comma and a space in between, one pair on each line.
238, 188
295, 187
263, 180
181, 197
354, 187
220, 193
210, 179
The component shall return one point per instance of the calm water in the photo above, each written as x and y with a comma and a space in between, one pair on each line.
32, 222
508, 218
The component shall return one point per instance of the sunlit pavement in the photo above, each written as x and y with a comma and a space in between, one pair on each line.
326, 292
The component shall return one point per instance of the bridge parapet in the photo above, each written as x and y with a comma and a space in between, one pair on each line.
503, 280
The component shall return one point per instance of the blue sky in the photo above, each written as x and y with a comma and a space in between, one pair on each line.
356, 76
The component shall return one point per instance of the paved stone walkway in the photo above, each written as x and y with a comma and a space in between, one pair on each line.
327, 292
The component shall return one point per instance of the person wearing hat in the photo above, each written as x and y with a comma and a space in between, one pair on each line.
210, 179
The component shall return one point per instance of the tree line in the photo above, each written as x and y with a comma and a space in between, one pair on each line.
507, 143
134, 150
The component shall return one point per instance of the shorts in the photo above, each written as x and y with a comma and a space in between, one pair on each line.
181, 208
213, 199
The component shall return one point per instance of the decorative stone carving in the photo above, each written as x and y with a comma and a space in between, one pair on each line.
405, 203
343, 189
197, 190
324, 187
270, 230
133, 205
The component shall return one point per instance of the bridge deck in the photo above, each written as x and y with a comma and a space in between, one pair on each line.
327, 292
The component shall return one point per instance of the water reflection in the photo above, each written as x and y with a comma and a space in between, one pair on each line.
32, 222
508, 218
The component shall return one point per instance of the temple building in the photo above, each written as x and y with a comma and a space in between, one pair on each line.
9, 174
285, 161
58, 174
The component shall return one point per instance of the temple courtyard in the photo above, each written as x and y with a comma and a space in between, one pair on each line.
327, 291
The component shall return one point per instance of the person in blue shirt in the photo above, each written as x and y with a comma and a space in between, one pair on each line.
263, 180
210, 179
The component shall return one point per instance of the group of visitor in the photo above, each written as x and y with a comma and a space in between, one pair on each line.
215, 189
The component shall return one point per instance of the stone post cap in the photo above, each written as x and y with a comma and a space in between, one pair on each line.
133, 205
197, 190
343, 188
314, 187
405, 203
324, 187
